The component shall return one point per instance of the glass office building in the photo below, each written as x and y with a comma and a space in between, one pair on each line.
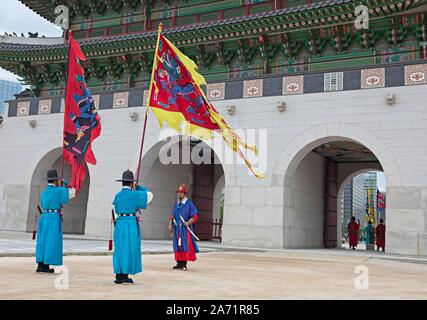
7, 90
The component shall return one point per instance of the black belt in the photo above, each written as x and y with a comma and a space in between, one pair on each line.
126, 214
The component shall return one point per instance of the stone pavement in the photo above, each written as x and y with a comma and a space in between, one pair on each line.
221, 275
20, 244
221, 272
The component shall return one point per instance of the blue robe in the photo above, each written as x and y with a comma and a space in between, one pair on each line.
187, 211
369, 234
127, 238
50, 236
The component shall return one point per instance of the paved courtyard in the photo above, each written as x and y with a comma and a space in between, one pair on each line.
221, 273
21, 244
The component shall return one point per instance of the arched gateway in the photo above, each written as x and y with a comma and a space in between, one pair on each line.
74, 214
164, 167
311, 170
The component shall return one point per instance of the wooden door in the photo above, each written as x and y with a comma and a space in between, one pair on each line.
203, 199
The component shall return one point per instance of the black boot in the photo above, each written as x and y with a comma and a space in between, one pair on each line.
126, 279
122, 278
48, 269
119, 278
178, 265
44, 268
39, 267
184, 265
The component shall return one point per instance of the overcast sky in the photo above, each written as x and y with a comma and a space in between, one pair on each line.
16, 17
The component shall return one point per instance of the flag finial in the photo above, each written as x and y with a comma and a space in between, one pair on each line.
160, 29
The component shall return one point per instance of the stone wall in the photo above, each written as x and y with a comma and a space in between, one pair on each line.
255, 209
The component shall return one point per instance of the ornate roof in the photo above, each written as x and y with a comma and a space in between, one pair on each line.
86, 8
314, 36
310, 16
43, 8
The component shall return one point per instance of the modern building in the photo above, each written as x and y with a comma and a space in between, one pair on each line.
7, 90
371, 182
324, 98
354, 199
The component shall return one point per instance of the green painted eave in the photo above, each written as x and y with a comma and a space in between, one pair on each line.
289, 21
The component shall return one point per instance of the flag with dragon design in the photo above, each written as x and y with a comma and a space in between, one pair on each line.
81, 121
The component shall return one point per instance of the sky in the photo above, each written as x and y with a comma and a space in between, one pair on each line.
16, 17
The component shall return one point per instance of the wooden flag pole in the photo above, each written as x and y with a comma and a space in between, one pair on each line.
159, 31
142, 146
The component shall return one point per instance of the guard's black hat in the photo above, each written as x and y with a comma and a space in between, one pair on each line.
52, 175
127, 176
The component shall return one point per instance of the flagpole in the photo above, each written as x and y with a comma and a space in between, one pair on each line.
69, 32
159, 32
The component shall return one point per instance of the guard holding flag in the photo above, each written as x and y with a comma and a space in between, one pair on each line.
50, 237
184, 216
127, 238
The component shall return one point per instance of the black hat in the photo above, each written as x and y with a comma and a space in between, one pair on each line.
127, 176
52, 175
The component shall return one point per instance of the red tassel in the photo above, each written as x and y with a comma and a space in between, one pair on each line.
34, 235
110, 245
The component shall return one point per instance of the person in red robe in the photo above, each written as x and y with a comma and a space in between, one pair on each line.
353, 232
380, 235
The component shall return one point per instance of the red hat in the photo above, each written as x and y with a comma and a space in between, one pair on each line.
182, 188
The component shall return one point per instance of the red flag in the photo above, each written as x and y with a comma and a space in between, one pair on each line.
380, 200
81, 121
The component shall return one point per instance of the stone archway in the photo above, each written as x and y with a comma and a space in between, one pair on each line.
75, 212
163, 180
343, 180
288, 174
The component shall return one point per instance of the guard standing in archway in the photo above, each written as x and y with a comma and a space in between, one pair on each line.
184, 216
369, 236
127, 238
353, 232
50, 236
380, 233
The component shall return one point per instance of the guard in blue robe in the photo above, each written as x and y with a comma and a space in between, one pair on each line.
50, 237
369, 234
127, 234
184, 216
